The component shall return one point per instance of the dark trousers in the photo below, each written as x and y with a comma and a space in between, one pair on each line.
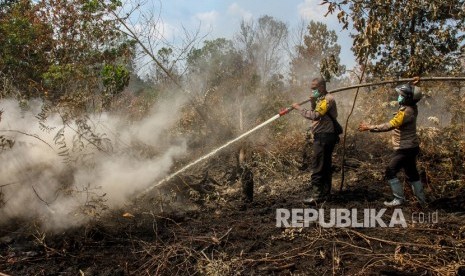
404, 159
323, 147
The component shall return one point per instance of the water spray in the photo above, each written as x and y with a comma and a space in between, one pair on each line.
281, 113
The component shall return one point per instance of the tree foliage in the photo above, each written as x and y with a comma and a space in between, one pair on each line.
160, 77
404, 37
318, 56
216, 61
25, 41
262, 43
58, 49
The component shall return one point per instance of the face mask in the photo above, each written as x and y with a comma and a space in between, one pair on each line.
400, 99
315, 93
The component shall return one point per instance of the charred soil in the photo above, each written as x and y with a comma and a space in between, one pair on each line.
207, 229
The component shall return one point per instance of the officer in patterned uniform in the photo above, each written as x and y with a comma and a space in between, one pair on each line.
322, 116
406, 145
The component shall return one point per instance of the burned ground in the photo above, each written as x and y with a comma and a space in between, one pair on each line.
206, 229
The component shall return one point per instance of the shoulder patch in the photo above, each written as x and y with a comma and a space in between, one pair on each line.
398, 120
322, 107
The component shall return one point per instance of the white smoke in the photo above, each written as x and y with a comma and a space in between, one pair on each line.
36, 181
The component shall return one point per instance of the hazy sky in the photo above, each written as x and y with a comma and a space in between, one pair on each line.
222, 18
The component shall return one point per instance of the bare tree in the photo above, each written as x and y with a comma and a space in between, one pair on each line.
143, 24
262, 43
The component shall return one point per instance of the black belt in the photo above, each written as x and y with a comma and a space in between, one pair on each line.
324, 135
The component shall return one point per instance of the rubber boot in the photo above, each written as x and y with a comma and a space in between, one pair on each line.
417, 188
397, 191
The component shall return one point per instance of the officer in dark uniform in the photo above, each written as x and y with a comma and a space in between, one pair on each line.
325, 139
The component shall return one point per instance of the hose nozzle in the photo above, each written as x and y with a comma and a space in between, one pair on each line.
284, 111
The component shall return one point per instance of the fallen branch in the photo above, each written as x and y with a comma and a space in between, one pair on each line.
402, 243
216, 240
39, 197
27, 134
277, 268
8, 184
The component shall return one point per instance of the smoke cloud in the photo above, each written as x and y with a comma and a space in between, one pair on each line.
60, 176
